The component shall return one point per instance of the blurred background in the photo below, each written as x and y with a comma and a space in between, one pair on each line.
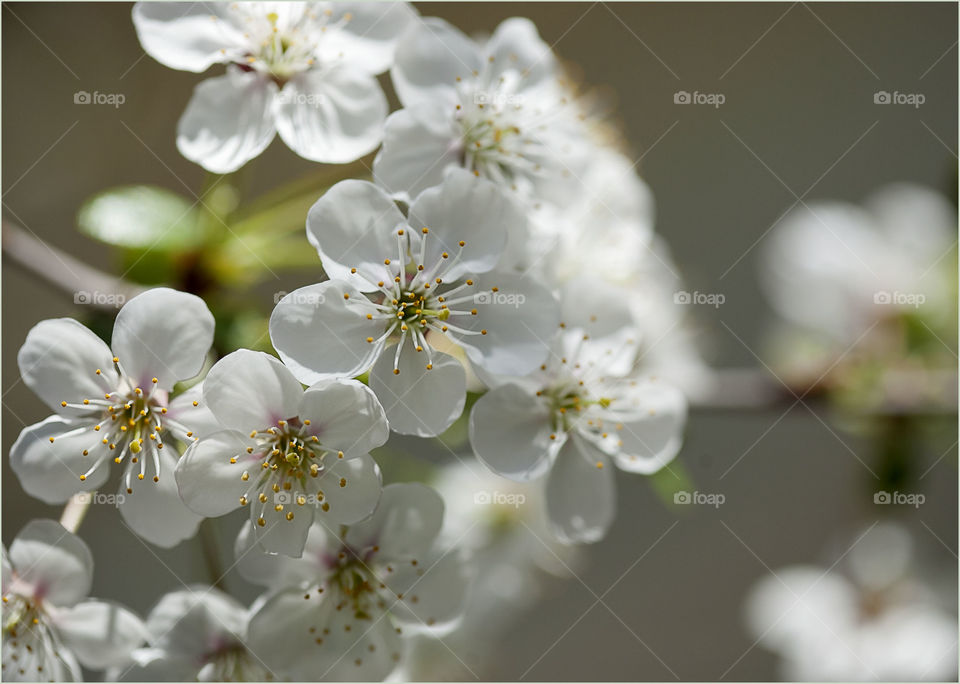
662, 596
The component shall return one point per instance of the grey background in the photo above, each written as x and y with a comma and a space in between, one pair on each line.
799, 94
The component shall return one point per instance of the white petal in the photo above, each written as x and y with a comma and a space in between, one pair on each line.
368, 652
319, 334
228, 121
333, 115
419, 145
581, 497
186, 623
154, 510
652, 430
418, 401
187, 35
55, 562
163, 334
51, 471
208, 482
429, 58
354, 226
101, 634
520, 318
351, 487
510, 433
198, 419
465, 209
405, 524
59, 362
434, 593
271, 570
248, 390
279, 534
7, 570
367, 40
516, 46
345, 416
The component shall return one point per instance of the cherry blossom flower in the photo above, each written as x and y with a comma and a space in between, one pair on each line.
196, 634
50, 627
115, 406
868, 619
286, 453
584, 408
304, 70
401, 283
499, 109
352, 596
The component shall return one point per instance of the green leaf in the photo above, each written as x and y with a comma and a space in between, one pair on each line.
141, 217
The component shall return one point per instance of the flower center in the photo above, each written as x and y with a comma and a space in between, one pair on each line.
413, 299
290, 456
30, 647
130, 422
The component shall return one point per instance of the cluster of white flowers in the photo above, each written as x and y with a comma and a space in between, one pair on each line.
499, 246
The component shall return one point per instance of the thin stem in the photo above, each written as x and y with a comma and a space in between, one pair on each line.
75, 511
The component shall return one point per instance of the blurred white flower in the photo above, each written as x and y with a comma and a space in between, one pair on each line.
287, 453
50, 627
834, 268
195, 635
115, 406
350, 598
304, 70
496, 108
584, 407
398, 282
502, 527
877, 623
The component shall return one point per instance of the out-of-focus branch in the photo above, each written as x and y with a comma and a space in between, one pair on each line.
63, 270
932, 392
